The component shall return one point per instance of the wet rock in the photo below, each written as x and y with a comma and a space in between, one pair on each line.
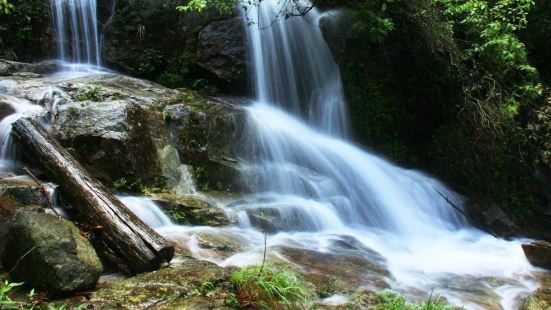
11, 67
540, 299
23, 190
351, 270
191, 210
49, 254
207, 133
5, 108
279, 218
488, 216
219, 245
178, 287
538, 253
137, 133
222, 53
112, 139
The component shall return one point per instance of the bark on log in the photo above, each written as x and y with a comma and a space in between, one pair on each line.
137, 246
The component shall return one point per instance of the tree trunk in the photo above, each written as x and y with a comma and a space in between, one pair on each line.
132, 241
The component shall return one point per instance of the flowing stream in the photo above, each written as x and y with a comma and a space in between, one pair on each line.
321, 187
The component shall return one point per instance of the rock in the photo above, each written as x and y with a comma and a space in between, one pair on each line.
49, 254
178, 287
5, 108
222, 53
191, 210
10, 67
487, 215
7, 211
219, 245
279, 218
157, 42
207, 133
113, 139
541, 298
538, 253
23, 190
137, 133
16, 192
351, 270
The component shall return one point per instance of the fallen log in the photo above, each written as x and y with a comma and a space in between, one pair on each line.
133, 242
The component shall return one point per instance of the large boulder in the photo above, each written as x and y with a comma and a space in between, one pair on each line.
222, 53
538, 253
111, 139
113, 125
157, 42
136, 134
207, 134
49, 254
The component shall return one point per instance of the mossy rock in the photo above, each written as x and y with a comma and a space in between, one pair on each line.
49, 254
191, 210
178, 287
208, 132
541, 299
23, 190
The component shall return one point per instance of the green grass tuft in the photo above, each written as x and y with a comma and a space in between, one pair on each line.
269, 287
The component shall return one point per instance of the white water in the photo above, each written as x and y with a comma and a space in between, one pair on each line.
323, 188
8, 151
77, 33
302, 164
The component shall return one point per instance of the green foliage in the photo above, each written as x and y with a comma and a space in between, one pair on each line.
328, 289
149, 64
539, 135
20, 29
7, 303
5, 7
5, 300
223, 6
371, 22
389, 300
91, 95
490, 142
269, 287
206, 287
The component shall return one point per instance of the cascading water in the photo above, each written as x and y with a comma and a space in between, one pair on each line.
77, 32
319, 183
8, 151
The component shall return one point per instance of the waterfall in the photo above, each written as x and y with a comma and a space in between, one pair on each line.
77, 31
318, 183
293, 154
309, 85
